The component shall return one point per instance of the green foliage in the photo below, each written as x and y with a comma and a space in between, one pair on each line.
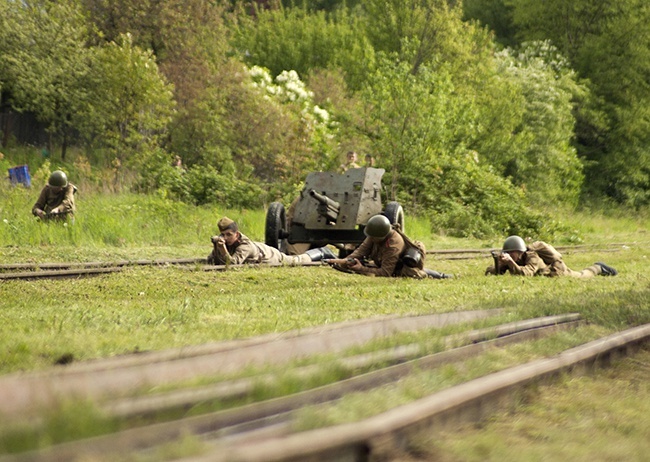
595, 37
44, 61
545, 163
132, 103
420, 128
206, 185
265, 96
199, 184
296, 39
471, 200
494, 14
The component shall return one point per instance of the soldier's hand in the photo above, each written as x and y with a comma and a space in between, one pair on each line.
40, 214
505, 258
354, 264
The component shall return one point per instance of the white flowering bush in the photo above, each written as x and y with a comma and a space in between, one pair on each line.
317, 126
288, 88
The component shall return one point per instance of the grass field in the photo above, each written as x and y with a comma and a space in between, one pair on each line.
152, 308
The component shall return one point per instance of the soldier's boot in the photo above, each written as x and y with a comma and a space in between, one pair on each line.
606, 270
437, 275
321, 253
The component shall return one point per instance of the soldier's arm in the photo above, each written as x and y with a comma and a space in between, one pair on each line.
67, 204
389, 259
533, 264
219, 255
242, 253
39, 206
362, 251
388, 263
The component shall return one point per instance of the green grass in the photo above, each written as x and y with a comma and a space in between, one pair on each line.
147, 308
601, 417
362, 405
154, 308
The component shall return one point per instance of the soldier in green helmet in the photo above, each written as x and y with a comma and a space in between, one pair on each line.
231, 247
56, 200
539, 259
386, 253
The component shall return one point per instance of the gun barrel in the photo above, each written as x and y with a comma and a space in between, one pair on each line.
327, 208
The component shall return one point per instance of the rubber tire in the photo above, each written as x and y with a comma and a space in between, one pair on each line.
395, 214
276, 222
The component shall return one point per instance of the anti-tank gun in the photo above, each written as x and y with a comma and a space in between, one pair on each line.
327, 208
331, 208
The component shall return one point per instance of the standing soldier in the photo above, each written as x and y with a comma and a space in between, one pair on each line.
539, 259
350, 162
233, 248
56, 200
385, 248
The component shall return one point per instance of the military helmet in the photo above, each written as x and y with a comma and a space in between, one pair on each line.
514, 243
378, 226
58, 178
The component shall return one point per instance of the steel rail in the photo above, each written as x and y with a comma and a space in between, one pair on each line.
389, 432
82, 271
11, 271
236, 389
25, 393
99, 264
271, 417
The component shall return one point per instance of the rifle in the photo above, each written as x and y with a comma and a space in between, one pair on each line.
498, 267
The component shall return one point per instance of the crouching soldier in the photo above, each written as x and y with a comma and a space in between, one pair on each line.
56, 200
233, 248
386, 253
539, 259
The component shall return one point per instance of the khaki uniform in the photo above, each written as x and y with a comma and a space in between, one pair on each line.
541, 259
247, 251
49, 200
385, 255
345, 167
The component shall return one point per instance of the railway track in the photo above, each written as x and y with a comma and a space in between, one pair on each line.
25, 393
228, 435
31, 271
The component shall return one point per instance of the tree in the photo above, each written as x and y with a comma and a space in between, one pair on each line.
45, 61
295, 39
131, 103
608, 43
543, 160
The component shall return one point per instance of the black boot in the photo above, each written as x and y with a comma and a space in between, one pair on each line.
436, 275
606, 269
322, 253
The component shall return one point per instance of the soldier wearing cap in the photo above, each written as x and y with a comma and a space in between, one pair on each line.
539, 259
56, 200
231, 247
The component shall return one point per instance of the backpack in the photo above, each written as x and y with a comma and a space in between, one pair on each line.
412, 244
546, 252
416, 272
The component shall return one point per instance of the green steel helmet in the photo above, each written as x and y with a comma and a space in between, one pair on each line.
58, 178
378, 227
514, 243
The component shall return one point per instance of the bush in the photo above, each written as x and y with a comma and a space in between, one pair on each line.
466, 199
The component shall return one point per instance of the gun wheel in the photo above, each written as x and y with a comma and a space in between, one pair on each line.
395, 214
276, 222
